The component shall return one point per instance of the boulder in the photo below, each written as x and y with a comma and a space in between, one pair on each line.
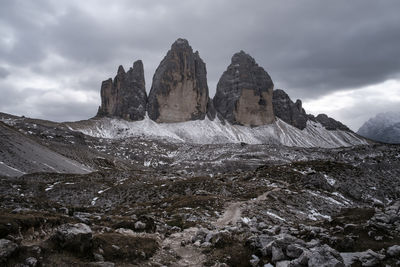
7, 248
325, 256
289, 112
244, 93
125, 96
179, 91
31, 261
294, 251
394, 251
74, 237
370, 258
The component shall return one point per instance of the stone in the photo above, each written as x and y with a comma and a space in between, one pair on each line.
140, 226
7, 248
325, 256
277, 254
370, 258
394, 251
329, 123
254, 260
179, 91
294, 251
282, 264
84, 217
98, 257
31, 261
289, 112
74, 237
244, 93
125, 96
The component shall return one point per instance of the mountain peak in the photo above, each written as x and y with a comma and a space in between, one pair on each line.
244, 93
241, 57
384, 127
179, 91
181, 43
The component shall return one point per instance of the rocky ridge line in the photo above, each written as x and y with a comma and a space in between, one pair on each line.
179, 93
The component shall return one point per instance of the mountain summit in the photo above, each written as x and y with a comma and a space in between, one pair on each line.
384, 127
179, 91
244, 93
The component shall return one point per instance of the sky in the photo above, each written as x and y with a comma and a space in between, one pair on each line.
340, 57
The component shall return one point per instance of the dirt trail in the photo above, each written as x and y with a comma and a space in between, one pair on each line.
172, 249
231, 215
189, 255
233, 212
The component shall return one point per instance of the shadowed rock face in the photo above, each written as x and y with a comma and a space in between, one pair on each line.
244, 93
125, 97
289, 112
329, 123
179, 91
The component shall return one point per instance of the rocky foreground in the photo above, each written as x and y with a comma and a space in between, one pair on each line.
155, 203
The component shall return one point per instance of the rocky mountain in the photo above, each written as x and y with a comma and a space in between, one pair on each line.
289, 112
179, 91
125, 97
384, 127
295, 115
244, 93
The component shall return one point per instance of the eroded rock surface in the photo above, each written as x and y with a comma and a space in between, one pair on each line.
244, 93
289, 112
179, 91
125, 97
329, 123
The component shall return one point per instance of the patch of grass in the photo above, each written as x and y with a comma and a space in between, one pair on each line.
118, 247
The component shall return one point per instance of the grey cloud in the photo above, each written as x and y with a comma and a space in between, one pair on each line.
3, 72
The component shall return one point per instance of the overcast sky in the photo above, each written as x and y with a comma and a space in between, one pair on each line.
340, 57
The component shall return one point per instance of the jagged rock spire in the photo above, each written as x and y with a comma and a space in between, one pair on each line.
244, 93
179, 91
125, 97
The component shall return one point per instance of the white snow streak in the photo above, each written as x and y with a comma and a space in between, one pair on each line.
14, 169
215, 132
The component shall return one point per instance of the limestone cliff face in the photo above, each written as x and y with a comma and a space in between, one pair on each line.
125, 97
289, 112
179, 91
244, 93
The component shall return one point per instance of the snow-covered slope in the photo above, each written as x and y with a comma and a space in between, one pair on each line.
384, 127
215, 132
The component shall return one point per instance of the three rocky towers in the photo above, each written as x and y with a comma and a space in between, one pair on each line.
179, 92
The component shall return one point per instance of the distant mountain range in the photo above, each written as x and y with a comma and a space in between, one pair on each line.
384, 127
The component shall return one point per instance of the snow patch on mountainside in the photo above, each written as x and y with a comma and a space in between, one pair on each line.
216, 132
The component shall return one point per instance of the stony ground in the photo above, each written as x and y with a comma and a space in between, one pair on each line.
153, 203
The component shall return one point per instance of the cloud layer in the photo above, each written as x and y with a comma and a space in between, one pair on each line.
54, 54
